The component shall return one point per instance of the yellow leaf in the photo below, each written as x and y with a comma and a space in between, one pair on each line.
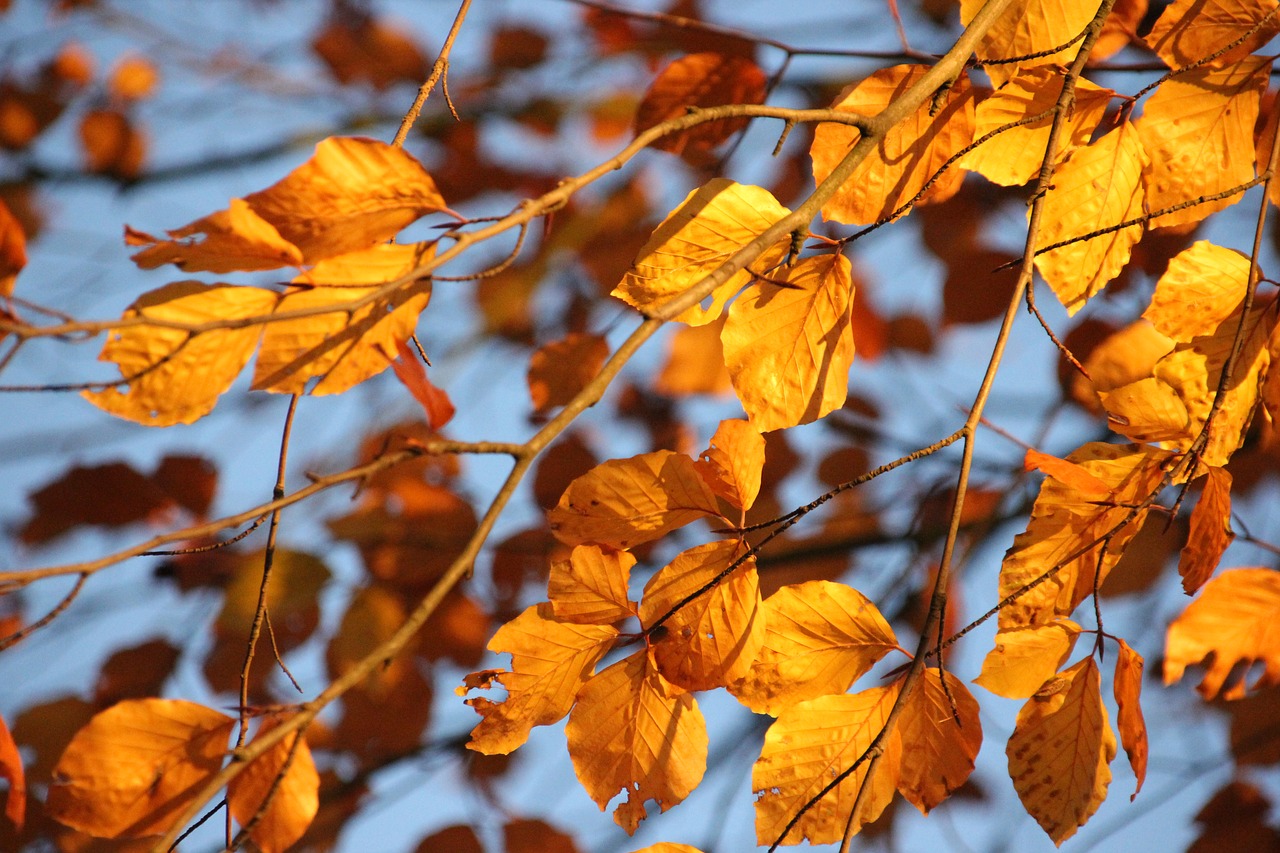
713, 640
341, 347
731, 465
1127, 686
1015, 156
1189, 30
591, 586
1074, 476
623, 502
1060, 752
1210, 532
1098, 186
1198, 129
1124, 356
942, 749
789, 346
1028, 28
631, 732
294, 803
1202, 287
175, 376
820, 638
375, 265
1119, 29
233, 239
1236, 619
560, 369
907, 157
1025, 658
806, 748
136, 766
1146, 410
1063, 522
550, 661
709, 226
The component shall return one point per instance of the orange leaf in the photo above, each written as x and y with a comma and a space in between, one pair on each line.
1210, 532
623, 502
560, 369
591, 586
136, 766
1119, 29
1098, 186
233, 239
385, 262
1133, 729
112, 144
1030, 29
789, 346
1025, 658
1202, 288
1236, 619
712, 640
360, 48
709, 227
294, 803
820, 638
700, 80
908, 156
174, 376
942, 749
1073, 476
1189, 30
13, 249
695, 362
731, 465
630, 731
1198, 129
1060, 751
134, 78
667, 847
435, 402
806, 747
15, 804
550, 661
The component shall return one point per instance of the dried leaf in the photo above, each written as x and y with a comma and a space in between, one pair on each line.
1189, 30
1210, 532
233, 239
1127, 686
732, 464
561, 369
371, 51
294, 803
700, 80
1025, 658
591, 586
944, 739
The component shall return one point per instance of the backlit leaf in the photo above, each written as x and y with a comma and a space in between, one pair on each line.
623, 502
695, 362
1236, 619
1030, 29
233, 239
1200, 289
789, 346
550, 661
731, 465
908, 156
708, 227
13, 249
15, 804
375, 265
591, 586
1025, 658
1210, 532
1189, 30
632, 732
412, 373
1198, 129
1133, 729
820, 637
294, 803
1076, 477
560, 369
136, 766
173, 375
712, 640
667, 847
700, 80
806, 747
1060, 751
942, 748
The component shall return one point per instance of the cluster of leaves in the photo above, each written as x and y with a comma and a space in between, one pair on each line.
1187, 386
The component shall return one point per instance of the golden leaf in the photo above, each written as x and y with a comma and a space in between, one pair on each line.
1189, 30
1076, 477
1210, 532
1127, 686
175, 376
695, 362
1202, 287
560, 369
667, 847
623, 502
806, 748
136, 766
1236, 619
1124, 356
908, 156
732, 464
700, 80
234, 239
820, 637
943, 748
789, 346
378, 264
632, 732
709, 227
294, 803
1025, 658
1060, 752
1016, 155
712, 640
1029, 28
1098, 186
1198, 129
1119, 29
550, 661
591, 586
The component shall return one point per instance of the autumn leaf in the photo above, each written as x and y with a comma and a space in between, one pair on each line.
136, 766
712, 640
1025, 658
590, 587
15, 804
944, 733
820, 637
1073, 476
1127, 686
789, 345
667, 847
623, 502
709, 227
175, 375
380, 264
1061, 750
806, 748
908, 156
700, 80
235, 239
1029, 31
13, 249
695, 362
550, 661
1189, 30
560, 369
294, 802
1201, 289
1234, 623
630, 731
1210, 532
731, 466
373, 615
411, 372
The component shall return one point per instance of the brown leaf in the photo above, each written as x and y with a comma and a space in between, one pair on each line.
15, 808
1210, 531
694, 81
111, 144
560, 369
371, 51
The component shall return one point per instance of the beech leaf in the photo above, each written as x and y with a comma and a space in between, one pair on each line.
294, 803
